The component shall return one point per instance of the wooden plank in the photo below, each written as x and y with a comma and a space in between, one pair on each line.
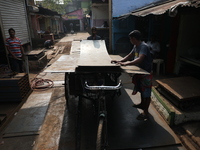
62, 49
57, 51
94, 53
55, 48
182, 87
129, 69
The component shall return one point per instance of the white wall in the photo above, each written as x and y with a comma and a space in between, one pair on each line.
99, 15
100, 12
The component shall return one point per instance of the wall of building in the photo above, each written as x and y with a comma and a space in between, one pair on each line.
188, 47
189, 34
85, 5
121, 29
16, 18
99, 15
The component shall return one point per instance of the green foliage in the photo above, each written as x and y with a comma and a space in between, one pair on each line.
56, 5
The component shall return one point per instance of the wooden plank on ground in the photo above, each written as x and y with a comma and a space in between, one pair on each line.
57, 51
62, 49
94, 53
129, 69
55, 48
182, 87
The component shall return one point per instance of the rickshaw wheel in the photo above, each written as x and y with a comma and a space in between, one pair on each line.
100, 136
67, 95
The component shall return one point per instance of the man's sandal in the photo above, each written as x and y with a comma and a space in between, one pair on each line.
141, 117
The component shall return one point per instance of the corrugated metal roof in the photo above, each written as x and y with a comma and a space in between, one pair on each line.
160, 9
170, 6
194, 3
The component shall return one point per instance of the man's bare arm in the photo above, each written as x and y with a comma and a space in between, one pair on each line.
126, 58
133, 62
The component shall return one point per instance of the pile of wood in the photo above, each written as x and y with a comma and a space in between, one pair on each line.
56, 50
37, 60
59, 48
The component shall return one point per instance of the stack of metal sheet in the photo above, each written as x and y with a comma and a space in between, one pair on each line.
15, 89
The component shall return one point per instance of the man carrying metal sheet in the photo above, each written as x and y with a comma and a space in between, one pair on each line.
140, 56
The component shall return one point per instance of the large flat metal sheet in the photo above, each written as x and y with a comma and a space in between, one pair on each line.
19, 143
66, 63
30, 117
91, 54
129, 69
75, 48
94, 53
182, 87
126, 132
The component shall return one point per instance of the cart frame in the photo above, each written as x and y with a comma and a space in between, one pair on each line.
93, 86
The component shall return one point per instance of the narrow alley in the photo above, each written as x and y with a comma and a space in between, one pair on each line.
45, 122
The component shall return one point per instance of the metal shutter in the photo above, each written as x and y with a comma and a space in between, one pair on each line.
13, 15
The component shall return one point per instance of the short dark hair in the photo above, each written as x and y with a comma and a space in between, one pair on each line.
94, 28
11, 29
136, 34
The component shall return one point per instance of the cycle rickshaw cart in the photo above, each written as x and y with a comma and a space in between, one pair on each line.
93, 79
89, 74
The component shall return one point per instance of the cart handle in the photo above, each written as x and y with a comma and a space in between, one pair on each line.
103, 87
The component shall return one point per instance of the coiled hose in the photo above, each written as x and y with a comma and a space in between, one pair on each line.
41, 84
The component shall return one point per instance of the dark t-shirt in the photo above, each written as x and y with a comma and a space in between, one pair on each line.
143, 49
48, 43
94, 38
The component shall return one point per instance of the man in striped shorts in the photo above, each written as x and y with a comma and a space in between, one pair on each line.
16, 52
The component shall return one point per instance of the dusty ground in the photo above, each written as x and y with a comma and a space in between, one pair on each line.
67, 46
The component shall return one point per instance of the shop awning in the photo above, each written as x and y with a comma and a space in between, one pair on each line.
159, 9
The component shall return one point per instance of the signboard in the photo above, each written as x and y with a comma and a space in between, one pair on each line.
78, 14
